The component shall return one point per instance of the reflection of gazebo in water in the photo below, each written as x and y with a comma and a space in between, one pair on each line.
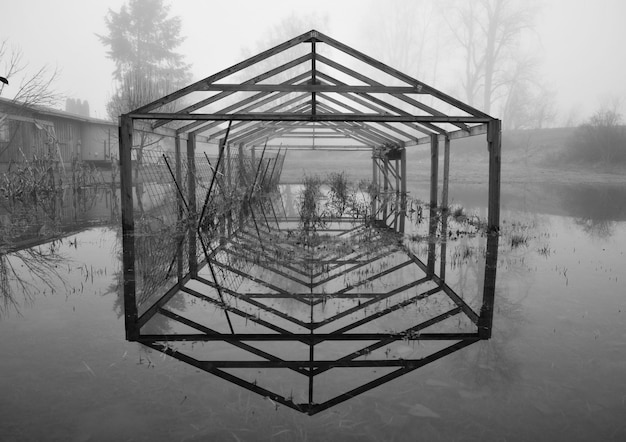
219, 274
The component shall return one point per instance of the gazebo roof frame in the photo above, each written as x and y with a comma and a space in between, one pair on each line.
360, 109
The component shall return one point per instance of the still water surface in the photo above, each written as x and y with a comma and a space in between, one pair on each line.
554, 370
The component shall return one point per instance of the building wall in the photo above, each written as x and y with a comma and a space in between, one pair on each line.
27, 135
13, 135
67, 133
23, 141
99, 142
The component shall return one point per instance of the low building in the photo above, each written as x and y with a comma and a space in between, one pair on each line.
30, 132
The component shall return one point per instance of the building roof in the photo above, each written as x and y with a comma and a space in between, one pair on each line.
45, 111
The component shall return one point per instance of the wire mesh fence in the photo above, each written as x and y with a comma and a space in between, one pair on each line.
186, 206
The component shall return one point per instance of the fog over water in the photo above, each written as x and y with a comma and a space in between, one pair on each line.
579, 43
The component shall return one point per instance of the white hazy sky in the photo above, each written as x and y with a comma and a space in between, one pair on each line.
583, 53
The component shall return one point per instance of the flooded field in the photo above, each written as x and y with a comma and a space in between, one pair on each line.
553, 369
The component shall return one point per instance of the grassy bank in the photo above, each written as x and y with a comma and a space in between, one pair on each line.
528, 156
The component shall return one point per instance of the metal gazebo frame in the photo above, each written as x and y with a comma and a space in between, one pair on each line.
355, 113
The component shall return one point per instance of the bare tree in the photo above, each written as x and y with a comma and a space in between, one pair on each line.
28, 88
526, 103
408, 37
489, 33
31, 88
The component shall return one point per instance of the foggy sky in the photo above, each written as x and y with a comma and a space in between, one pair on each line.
582, 41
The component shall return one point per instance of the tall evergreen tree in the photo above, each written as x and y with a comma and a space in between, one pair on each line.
142, 40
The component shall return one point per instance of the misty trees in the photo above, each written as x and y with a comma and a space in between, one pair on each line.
499, 73
142, 40
601, 139
484, 51
489, 33
409, 36
527, 104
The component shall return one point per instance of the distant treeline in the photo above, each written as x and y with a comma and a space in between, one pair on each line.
600, 141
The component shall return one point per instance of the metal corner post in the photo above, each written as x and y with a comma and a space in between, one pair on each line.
128, 227
494, 137
432, 219
494, 140
193, 207
403, 190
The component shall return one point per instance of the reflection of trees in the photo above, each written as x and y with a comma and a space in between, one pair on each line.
600, 228
27, 266
595, 207
25, 272
37, 219
594, 201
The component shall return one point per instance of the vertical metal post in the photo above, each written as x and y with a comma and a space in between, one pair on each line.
446, 174
228, 168
374, 184
385, 187
181, 207
444, 207
494, 141
397, 171
240, 165
221, 169
403, 190
128, 227
229, 172
485, 320
313, 80
434, 169
193, 207
432, 222
241, 183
